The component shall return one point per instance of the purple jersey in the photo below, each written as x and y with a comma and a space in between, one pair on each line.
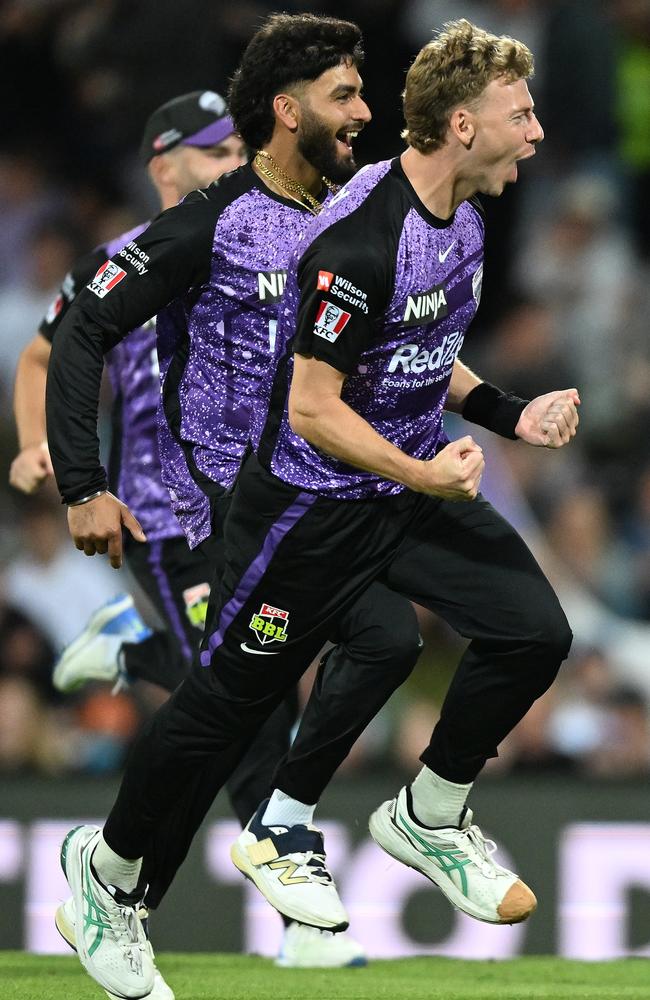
384, 292
212, 270
135, 474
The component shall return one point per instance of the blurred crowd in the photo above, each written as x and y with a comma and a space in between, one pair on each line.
566, 300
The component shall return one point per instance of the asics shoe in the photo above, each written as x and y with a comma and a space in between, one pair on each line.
306, 947
109, 937
95, 654
64, 919
458, 859
287, 864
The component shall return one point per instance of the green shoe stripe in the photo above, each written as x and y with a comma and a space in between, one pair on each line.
446, 860
95, 915
64, 847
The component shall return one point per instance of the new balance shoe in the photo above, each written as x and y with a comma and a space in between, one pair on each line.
288, 867
306, 947
458, 859
109, 937
65, 919
95, 654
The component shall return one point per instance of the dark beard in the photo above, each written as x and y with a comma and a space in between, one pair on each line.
318, 146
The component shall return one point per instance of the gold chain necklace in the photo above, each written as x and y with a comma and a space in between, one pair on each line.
288, 184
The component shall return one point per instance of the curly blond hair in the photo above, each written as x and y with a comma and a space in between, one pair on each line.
453, 69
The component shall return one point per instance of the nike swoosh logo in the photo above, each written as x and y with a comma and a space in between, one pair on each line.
258, 652
442, 257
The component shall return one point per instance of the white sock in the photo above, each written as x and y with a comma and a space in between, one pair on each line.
282, 810
436, 801
114, 870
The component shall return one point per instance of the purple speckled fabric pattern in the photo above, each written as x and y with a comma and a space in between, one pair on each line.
133, 370
401, 380
226, 333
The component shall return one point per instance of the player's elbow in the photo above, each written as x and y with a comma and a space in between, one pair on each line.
300, 418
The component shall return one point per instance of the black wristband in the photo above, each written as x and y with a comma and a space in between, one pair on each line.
490, 407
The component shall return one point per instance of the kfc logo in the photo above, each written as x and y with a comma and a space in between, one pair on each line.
54, 310
108, 276
330, 321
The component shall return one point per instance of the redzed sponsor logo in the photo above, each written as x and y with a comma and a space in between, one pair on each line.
330, 320
325, 279
108, 276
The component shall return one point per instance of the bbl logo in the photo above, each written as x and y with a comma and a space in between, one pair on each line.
270, 624
196, 602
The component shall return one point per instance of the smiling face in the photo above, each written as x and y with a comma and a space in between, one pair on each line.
331, 113
505, 130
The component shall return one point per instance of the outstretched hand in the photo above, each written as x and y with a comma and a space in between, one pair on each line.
96, 527
550, 421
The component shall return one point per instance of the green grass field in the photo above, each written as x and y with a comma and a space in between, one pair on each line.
236, 977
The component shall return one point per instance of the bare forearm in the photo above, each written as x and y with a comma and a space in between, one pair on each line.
463, 380
29, 399
343, 434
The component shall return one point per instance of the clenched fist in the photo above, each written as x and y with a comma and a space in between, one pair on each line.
550, 421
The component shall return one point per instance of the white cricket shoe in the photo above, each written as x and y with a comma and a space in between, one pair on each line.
288, 867
306, 947
109, 937
458, 859
64, 918
95, 654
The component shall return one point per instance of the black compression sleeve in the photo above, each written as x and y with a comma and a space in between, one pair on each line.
168, 259
490, 407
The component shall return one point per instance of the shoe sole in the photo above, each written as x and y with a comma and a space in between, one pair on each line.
98, 620
64, 928
383, 831
355, 963
76, 885
240, 861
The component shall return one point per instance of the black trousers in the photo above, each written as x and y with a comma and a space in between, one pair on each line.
295, 564
166, 570
377, 645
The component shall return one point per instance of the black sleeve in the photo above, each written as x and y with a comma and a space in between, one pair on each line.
170, 257
76, 279
345, 286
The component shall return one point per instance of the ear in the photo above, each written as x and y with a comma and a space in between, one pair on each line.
461, 125
287, 111
159, 168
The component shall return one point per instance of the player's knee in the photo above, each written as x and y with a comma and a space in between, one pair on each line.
400, 649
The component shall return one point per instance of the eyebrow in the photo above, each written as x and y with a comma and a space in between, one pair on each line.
521, 111
345, 88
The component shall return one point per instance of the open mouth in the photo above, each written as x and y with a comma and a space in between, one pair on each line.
347, 136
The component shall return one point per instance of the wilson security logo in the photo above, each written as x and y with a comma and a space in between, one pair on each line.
331, 320
133, 255
108, 276
342, 289
426, 307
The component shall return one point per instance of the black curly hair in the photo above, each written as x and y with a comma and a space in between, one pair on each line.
287, 49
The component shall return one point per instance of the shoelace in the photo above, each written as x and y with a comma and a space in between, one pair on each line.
316, 864
479, 845
128, 934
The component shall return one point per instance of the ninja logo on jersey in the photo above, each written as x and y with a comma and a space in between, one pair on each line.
106, 279
270, 624
330, 321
